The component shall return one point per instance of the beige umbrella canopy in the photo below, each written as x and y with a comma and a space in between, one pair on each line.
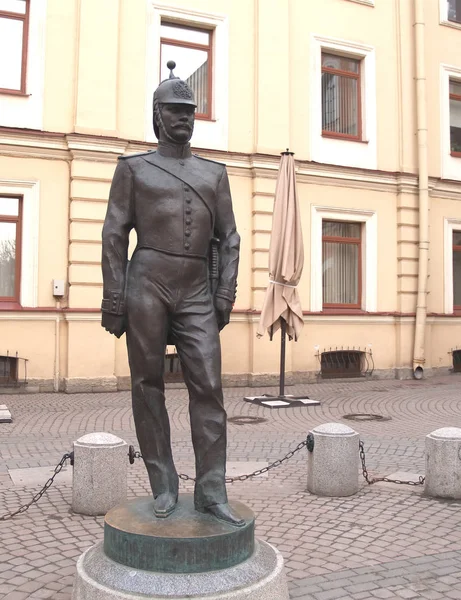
282, 307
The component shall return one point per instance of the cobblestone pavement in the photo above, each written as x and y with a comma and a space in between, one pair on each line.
387, 541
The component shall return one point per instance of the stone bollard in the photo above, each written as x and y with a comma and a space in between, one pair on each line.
100, 473
332, 467
443, 463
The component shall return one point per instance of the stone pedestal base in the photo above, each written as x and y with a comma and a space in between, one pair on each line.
261, 577
187, 555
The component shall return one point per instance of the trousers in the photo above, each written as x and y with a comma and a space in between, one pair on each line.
168, 295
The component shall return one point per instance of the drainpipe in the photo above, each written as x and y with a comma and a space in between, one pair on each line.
423, 253
57, 352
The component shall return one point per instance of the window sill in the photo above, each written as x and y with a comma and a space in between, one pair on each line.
14, 93
329, 136
453, 24
342, 310
9, 305
208, 119
455, 154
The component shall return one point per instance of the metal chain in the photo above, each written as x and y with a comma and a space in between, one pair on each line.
371, 480
38, 495
135, 454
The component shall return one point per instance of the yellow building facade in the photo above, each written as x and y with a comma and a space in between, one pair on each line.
366, 93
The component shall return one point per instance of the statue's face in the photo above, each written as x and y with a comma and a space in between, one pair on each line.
178, 120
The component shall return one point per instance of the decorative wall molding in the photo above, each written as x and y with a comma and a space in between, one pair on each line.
46, 145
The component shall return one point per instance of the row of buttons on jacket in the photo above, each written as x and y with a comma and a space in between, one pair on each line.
188, 220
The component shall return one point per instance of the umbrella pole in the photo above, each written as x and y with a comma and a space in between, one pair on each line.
282, 356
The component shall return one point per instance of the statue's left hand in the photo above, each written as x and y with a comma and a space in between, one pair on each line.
223, 310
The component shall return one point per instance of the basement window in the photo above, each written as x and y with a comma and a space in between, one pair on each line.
456, 361
336, 364
8, 370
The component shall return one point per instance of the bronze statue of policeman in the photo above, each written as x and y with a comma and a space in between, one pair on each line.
179, 204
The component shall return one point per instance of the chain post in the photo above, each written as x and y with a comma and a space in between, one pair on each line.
40, 493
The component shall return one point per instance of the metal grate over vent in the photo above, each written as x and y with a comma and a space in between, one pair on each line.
345, 363
13, 370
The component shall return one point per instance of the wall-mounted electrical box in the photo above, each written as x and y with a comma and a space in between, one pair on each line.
58, 288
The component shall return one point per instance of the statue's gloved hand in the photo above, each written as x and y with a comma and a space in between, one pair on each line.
115, 324
223, 310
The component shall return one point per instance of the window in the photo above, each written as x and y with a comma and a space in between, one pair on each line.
454, 10
341, 104
455, 117
191, 49
14, 26
10, 244
342, 97
457, 270
341, 264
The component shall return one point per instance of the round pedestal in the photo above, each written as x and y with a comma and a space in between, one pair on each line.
261, 577
185, 542
187, 555
443, 463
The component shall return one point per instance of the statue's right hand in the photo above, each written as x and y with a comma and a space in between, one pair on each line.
115, 324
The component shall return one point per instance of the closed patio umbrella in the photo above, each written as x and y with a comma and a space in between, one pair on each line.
282, 307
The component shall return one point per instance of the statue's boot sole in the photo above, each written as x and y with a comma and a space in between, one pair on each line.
164, 513
222, 518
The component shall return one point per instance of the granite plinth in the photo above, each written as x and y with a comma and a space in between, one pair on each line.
99, 474
260, 577
185, 542
443, 463
332, 467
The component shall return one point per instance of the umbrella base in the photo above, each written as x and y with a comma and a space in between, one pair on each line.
286, 401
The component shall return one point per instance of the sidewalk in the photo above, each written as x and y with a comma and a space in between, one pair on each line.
388, 541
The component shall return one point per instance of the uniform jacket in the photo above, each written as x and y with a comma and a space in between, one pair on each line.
176, 204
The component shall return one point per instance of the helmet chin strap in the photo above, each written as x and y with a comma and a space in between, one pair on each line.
167, 135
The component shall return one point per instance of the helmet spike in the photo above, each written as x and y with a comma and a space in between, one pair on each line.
171, 65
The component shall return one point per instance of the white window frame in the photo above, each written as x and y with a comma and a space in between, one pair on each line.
350, 153
443, 13
207, 134
449, 225
451, 165
30, 192
27, 111
369, 253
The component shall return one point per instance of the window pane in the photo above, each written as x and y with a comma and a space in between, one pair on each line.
15, 6
456, 238
455, 87
340, 273
341, 229
9, 206
184, 34
454, 10
7, 259
192, 66
457, 278
11, 47
455, 125
339, 104
340, 62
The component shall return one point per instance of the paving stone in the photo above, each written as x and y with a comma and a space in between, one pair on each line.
389, 537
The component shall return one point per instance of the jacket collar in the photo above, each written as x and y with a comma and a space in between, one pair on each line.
170, 150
